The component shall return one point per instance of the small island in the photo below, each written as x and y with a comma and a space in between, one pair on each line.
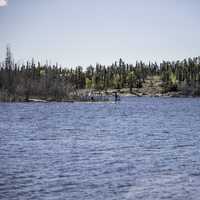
43, 83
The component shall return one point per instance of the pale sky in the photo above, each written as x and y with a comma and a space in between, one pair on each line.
83, 32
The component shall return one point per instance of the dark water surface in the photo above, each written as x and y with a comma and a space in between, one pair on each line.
140, 148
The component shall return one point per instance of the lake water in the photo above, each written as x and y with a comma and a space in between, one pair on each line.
140, 148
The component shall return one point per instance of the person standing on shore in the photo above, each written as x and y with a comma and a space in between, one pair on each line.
117, 98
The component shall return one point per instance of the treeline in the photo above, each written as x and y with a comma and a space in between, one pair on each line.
181, 76
33, 80
20, 83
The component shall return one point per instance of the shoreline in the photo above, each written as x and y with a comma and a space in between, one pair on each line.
158, 95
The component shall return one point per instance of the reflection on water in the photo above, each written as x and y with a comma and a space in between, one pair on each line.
140, 148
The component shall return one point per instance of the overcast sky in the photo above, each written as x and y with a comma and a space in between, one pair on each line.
83, 32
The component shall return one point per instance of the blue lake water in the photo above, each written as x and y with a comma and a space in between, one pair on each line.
141, 148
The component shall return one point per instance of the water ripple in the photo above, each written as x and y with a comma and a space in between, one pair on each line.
142, 148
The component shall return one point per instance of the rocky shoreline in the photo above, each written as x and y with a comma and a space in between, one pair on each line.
147, 94
106, 97
136, 92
